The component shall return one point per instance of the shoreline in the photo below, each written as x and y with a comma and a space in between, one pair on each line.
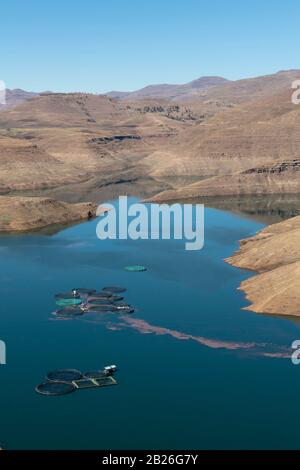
274, 254
28, 214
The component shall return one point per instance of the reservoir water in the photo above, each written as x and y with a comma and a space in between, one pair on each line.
195, 369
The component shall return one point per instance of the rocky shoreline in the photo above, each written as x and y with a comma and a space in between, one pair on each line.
22, 214
274, 253
278, 178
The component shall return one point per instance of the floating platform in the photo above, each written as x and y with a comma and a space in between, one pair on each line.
93, 383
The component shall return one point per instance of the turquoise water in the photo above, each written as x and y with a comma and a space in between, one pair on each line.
188, 377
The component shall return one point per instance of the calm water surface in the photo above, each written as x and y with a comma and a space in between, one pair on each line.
194, 370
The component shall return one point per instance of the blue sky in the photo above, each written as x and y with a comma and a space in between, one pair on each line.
97, 45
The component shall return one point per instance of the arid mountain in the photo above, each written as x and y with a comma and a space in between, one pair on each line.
275, 254
58, 139
245, 90
216, 90
16, 97
255, 133
169, 92
25, 165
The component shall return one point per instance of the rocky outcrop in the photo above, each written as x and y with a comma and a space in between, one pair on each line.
18, 214
114, 138
275, 254
276, 169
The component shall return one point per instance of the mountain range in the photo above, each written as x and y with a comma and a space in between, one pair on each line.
16, 97
183, 92
227, 134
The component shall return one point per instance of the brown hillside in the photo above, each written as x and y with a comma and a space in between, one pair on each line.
275, 254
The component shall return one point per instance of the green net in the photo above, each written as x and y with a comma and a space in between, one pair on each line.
68, 302
135, 268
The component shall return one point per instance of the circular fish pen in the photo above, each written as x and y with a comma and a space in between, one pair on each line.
69, 312
136, 268
94, 308
82, 301
68, 302
67, 295
55, 388
64, 375
114, 289
83, 290
96, 301
117, 298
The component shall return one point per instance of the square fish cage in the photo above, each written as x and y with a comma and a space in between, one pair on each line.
94, 383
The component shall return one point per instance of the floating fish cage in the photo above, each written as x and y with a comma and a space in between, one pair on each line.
136, 268
66, 381
81, 300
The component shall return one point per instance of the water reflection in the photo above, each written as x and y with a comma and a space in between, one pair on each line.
266, 209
